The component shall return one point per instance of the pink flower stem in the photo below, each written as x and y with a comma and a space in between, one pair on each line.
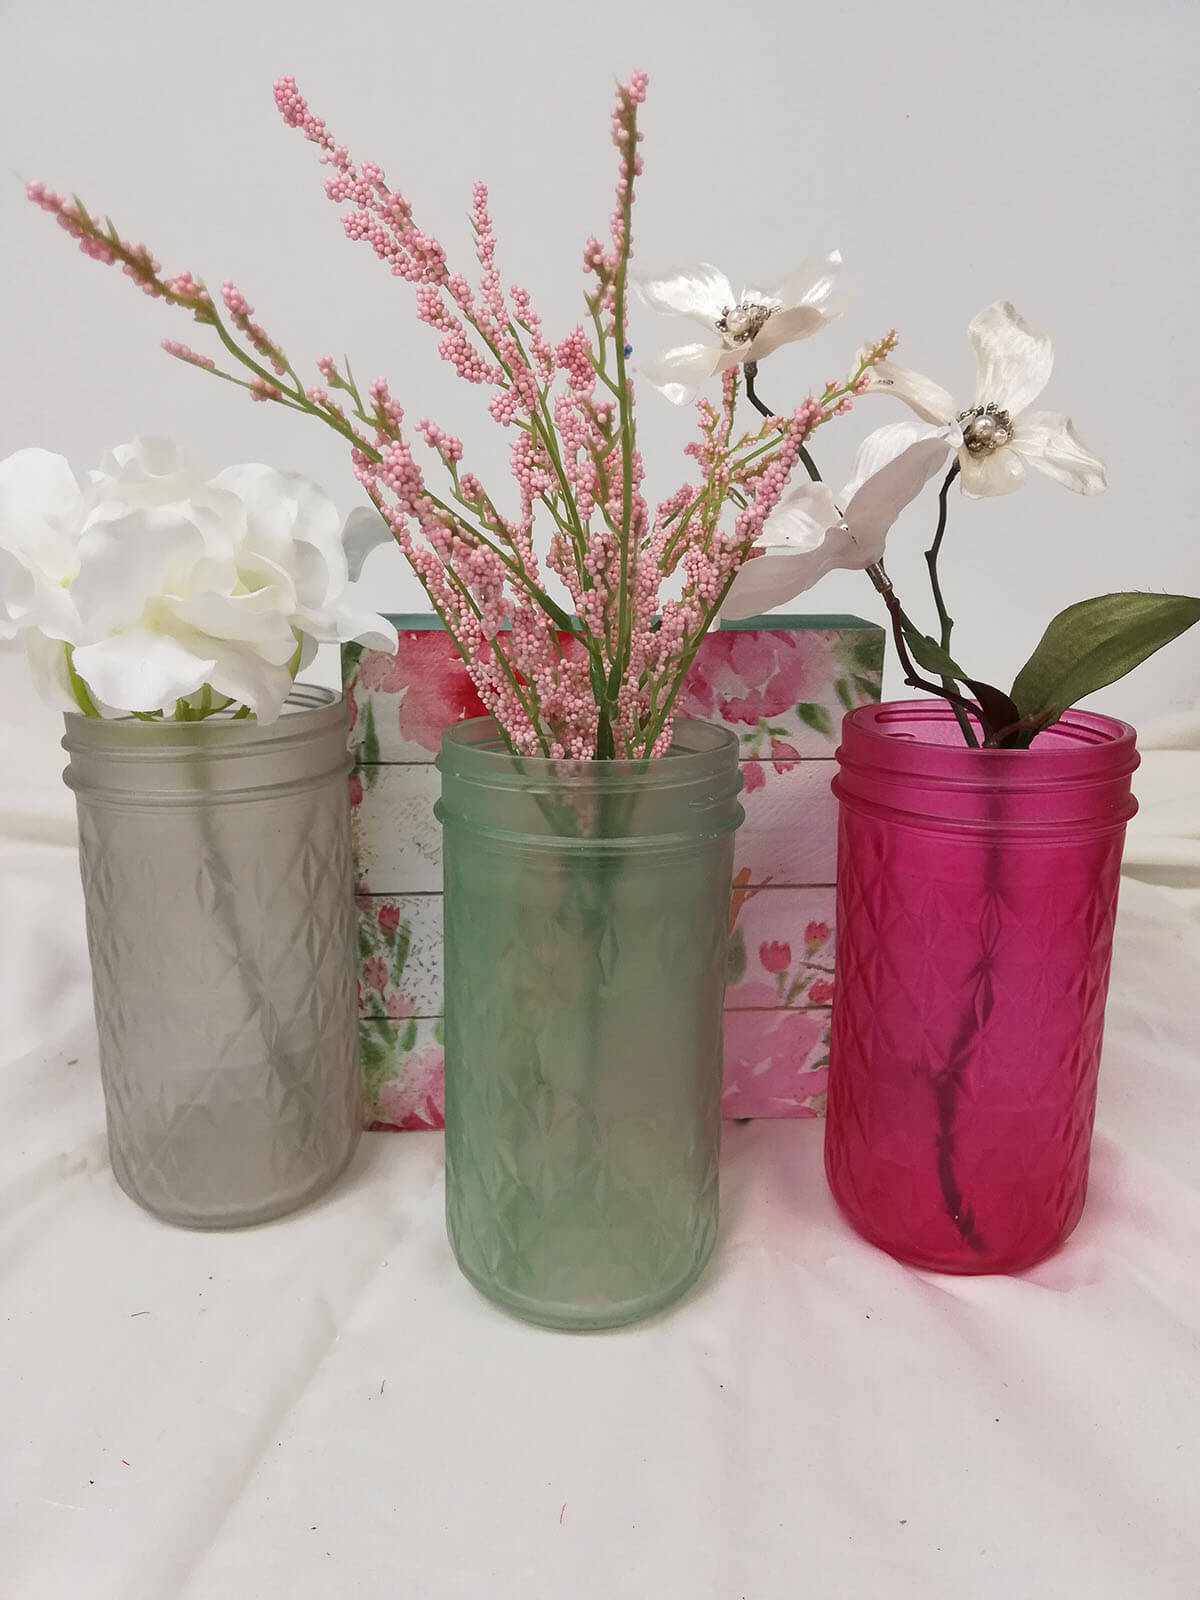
751, 370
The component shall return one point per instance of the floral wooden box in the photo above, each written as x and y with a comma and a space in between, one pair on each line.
783, 683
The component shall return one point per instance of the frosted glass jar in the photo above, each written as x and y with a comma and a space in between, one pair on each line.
586, 918
977, 891
215, 858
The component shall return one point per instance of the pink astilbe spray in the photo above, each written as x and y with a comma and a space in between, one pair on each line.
600, 679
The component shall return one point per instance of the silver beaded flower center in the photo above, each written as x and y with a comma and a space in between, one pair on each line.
985, 428
741, 323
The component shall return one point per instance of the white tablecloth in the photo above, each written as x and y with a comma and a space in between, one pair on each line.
323, 1407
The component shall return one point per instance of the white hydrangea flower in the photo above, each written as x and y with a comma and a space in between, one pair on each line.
164, 584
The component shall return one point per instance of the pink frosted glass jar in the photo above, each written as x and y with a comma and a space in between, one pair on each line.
976, 896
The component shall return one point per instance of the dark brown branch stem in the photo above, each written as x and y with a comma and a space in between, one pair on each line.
883, 586
945, 621
751, 371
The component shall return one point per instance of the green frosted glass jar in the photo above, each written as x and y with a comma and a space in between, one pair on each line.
586, 915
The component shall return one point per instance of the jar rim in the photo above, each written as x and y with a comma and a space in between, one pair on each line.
309, 710
474, 748
1081, 746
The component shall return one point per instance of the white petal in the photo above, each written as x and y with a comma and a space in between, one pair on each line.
886, 444
782, 327
927, 399
1014, 360
145, 461
701, 292
349, 620
293, 521
126, 562
250, 681
680, 372
41, 512
140, 670
38, 487
1048, 441
900, 466
999, 472
769, 580
817, 285
250, 619
48, 663
800, 519
363, 530
30, 598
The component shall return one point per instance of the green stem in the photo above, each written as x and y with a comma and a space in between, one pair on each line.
79, 689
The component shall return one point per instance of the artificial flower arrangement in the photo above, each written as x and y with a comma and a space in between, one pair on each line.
597, 672
587, 881
601, 677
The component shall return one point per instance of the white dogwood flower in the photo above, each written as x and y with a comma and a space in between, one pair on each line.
749, 325
1000, 433
807, 535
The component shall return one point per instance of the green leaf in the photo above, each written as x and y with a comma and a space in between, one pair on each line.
845, 693
815, 717
408, 1039
928, 653
399, 943
352, 654
1096, 642
999, 712
862, 652
368, 745
377, 1057
735, 958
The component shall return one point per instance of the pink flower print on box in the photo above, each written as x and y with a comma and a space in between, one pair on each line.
775, 955
788, 685
776, 1063
433, 686
767, 965
415, 1101
751, 675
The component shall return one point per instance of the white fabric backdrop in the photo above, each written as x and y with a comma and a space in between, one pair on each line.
323, 1407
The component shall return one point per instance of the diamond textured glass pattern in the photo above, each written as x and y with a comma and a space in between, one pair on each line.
586, 918
216, 868
977, 892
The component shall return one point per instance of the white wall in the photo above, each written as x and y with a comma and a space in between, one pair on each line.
1034, 149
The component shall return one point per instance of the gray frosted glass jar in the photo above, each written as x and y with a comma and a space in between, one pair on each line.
216, 870
586, 919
